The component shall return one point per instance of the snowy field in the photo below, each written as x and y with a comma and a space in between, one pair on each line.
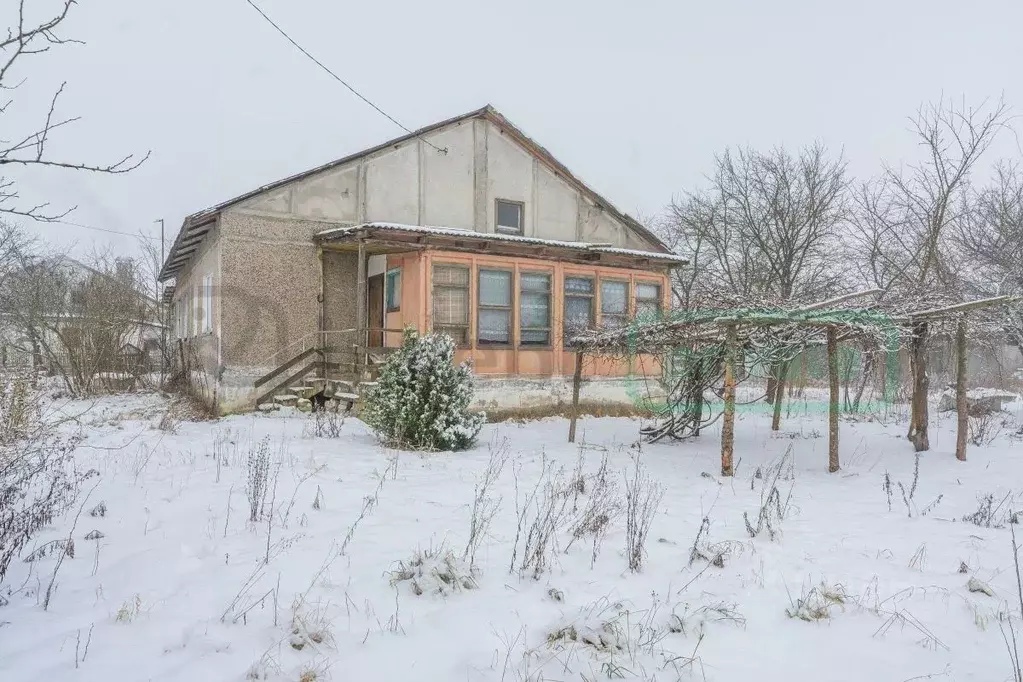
842, 581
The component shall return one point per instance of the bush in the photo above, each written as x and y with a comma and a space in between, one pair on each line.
38, 477
421, 400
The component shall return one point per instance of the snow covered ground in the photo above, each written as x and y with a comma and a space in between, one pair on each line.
182, 586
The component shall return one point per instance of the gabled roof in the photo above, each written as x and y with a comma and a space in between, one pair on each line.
195, 226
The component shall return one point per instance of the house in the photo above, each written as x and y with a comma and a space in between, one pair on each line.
466, 226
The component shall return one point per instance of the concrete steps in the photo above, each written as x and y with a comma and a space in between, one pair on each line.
345, 392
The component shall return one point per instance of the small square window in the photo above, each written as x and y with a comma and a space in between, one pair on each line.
393, 287
509, 216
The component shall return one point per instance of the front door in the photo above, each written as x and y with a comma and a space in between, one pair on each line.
375, 292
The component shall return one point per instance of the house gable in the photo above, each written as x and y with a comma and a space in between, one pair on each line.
451, 174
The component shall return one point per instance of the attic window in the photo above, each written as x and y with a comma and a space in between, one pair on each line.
509, 216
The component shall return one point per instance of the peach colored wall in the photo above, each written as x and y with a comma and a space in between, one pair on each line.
416, 310
410, 312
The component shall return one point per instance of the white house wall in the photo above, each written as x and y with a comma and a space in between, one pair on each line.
415, 183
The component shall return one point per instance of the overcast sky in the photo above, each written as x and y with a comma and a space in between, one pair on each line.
634, 97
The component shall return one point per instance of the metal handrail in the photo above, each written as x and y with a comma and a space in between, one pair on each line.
293, 348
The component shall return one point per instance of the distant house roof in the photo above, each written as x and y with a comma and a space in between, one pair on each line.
195, 226
471, 238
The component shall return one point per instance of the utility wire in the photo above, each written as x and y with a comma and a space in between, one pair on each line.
103, 229
338, 78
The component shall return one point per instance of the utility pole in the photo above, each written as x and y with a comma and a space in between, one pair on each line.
161, 306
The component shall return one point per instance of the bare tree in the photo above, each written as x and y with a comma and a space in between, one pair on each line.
28, 148
906, 220
78, 318
765, 232
767, 227
991, 240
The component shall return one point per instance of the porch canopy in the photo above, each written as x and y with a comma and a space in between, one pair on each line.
376, 238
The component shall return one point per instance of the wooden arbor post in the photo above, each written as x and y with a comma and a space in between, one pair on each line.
918, 403
728, 423
577, 380
962, 408
833, 463
779, 393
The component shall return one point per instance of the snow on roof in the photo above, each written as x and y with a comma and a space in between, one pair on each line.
336, 232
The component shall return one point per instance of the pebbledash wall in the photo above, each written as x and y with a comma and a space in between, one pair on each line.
266, 269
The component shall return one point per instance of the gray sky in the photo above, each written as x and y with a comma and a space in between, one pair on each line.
634, 97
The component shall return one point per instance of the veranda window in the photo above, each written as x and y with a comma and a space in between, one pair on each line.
495, 307
648, 301
578, 305
614, 303
393, 290
534, 309
451, 302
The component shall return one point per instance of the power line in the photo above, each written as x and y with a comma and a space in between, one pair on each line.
338, 78
103, 229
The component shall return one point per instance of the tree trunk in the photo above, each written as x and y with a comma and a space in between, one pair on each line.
779, 396
918, 404
866, 370
577, 380
728, 423
962, 409
833, 464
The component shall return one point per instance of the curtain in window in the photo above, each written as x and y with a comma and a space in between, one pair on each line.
535, 308
495, 326
648, 301
577, 313
614, 303
450, 307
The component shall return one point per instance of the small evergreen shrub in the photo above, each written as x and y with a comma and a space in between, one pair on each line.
421, 400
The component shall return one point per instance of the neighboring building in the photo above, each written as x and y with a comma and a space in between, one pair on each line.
73, 320
466, 226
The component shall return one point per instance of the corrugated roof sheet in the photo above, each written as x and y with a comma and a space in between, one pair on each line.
336, 232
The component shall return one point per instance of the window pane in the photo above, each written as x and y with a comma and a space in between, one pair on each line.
534, 337
648, 291
578, 312
451, 275
578, 285
459, 334
495, 326
614, 298
509, 215
531, 281
450, 307
647, 309
393, 290
495, 288
535, 310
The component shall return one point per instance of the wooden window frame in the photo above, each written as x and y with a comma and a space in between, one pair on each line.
549, 274
510, 308
626, 316
468, 300
565, 295
387, 291
504, 229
